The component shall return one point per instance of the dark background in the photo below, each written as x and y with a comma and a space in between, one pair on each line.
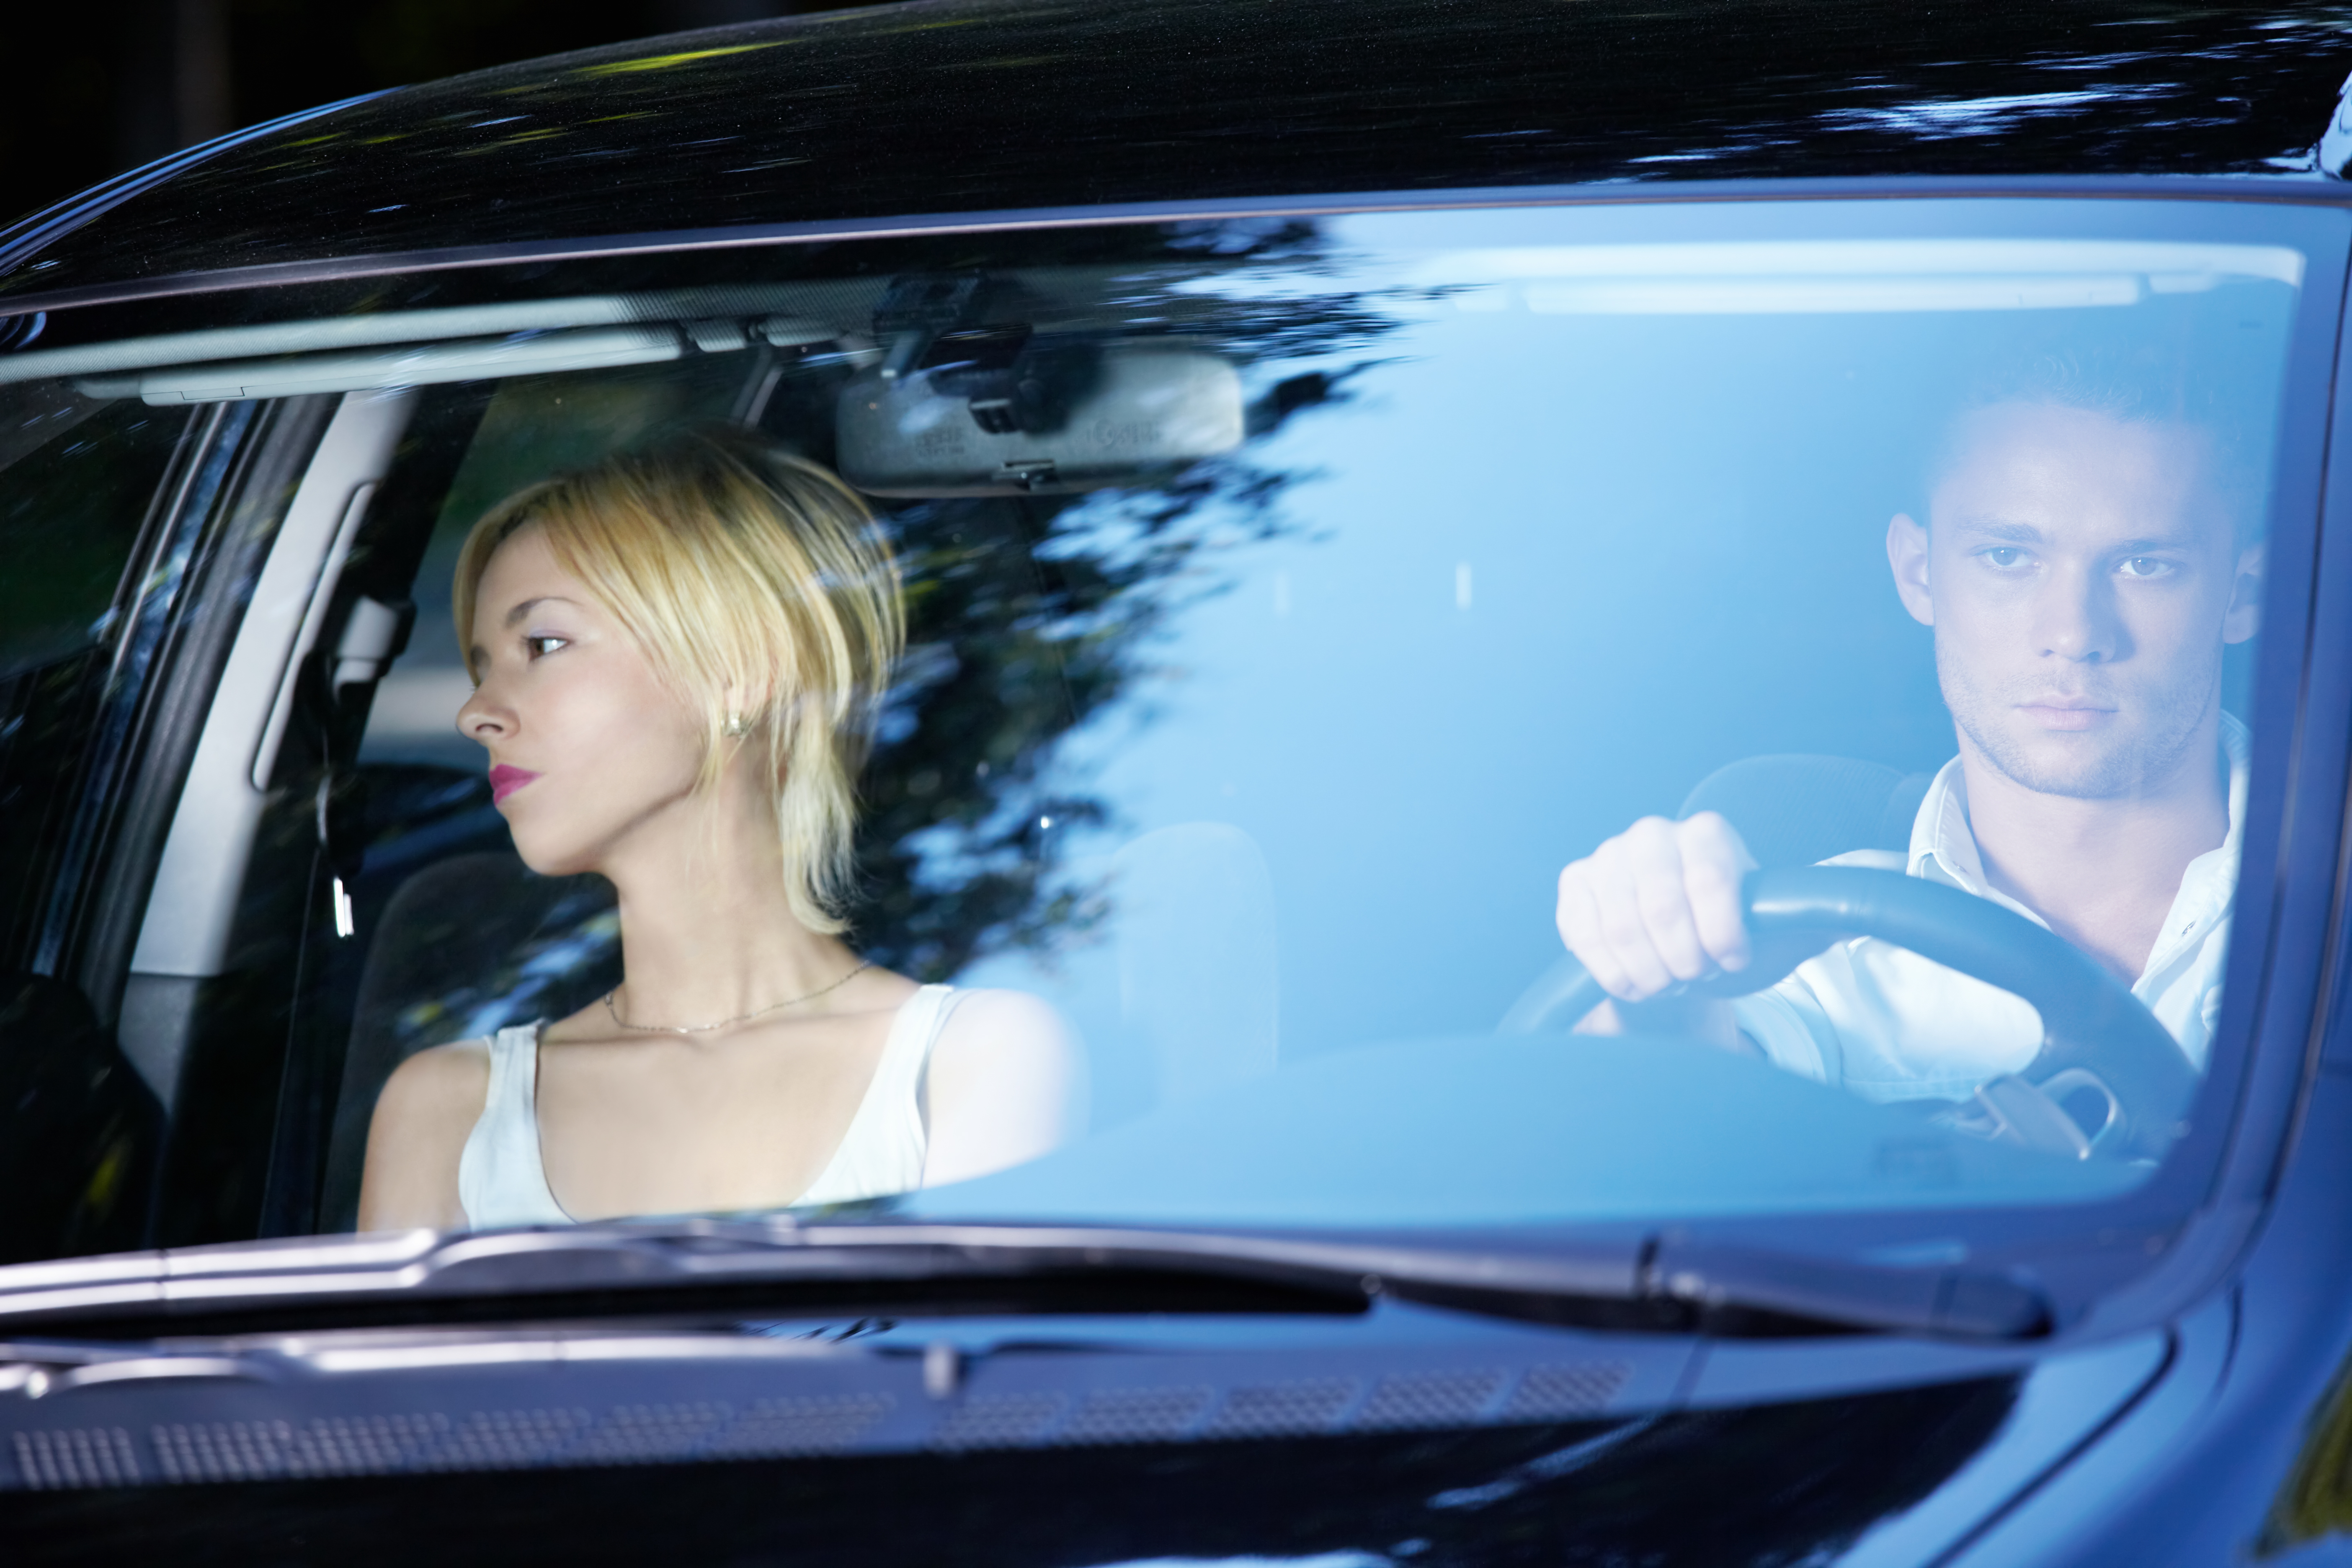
100, 86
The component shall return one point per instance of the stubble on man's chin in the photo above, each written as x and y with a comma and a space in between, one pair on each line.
2129, 759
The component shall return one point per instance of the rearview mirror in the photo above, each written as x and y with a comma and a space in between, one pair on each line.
1053, 420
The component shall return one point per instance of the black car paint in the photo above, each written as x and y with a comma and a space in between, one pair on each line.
1776, 1484
1066, 115
842, 119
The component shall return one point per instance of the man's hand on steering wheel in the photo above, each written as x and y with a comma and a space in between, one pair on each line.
1655, 908
1659, 919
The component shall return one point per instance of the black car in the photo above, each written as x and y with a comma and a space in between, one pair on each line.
1346, 464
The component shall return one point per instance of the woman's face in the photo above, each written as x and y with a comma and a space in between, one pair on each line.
590, 753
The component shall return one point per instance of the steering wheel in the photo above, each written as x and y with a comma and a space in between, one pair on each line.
2096, 1037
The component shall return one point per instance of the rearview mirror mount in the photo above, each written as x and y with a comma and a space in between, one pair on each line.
1020, 416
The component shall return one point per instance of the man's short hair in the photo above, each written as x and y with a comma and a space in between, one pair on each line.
2140, 385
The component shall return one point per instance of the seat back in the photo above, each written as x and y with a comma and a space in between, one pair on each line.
466, 946
1796, 809
1199, 981
78, 1165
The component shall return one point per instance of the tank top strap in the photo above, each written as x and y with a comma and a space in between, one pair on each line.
907, 1057
501, 1180
514, 1062
884, 1150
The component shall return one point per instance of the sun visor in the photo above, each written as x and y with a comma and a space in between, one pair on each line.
414, 348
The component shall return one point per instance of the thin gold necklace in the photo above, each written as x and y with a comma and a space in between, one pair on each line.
706, 1028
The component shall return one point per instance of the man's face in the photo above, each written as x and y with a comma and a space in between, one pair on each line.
2081, 578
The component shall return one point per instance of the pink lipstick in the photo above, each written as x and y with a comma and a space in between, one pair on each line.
506, 780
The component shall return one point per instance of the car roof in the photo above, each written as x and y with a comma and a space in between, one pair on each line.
990, 107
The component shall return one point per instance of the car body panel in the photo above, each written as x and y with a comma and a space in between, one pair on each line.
2167, 1425
835, 118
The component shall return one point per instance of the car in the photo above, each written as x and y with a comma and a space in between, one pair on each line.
1345, 466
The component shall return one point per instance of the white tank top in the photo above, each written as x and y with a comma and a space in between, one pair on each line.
501, 1180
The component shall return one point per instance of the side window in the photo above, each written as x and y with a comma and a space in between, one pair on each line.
78, 479
78, 482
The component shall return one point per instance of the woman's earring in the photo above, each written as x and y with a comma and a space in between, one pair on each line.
736, 725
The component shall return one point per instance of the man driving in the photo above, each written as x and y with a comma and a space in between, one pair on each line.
2083, 562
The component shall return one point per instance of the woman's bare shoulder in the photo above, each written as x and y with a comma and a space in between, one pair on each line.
438, 1083
421, 1120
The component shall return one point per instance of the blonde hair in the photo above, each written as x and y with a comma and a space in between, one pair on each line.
762, 592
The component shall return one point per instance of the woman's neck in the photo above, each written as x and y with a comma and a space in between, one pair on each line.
707, 931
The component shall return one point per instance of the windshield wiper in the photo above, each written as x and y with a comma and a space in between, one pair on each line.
1668, 1283
1727, 1279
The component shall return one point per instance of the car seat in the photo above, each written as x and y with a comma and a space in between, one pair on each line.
1795, 810
1198, 981
465, 946
80, 1157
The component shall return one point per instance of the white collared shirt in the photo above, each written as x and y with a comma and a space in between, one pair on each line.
1882, 1021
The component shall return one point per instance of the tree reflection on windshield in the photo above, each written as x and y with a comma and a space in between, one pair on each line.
1030, 617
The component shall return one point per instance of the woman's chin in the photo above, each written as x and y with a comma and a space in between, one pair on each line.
549, 859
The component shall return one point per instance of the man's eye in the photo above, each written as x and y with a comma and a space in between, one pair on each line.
2145, 566
538, 648
2004, 555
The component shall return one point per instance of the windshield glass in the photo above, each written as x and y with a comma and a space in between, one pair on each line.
1355, 711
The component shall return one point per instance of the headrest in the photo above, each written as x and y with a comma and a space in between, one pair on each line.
1795, 810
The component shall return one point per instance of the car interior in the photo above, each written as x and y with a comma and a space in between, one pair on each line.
331, 890
250, 1023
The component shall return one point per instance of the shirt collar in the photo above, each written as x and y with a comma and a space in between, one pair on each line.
2238, 745
1944, 847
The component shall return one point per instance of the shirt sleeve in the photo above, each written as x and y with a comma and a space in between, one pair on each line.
1791, 1030
1788, 1022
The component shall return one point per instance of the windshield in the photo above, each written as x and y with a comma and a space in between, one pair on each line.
1352, 688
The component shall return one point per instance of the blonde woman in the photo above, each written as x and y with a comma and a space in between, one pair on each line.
676, 658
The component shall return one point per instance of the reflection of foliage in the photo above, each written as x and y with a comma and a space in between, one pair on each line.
1029, 617
579, 934
2316, 1499
74, 481
953, 845
1264, 311
70, 510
